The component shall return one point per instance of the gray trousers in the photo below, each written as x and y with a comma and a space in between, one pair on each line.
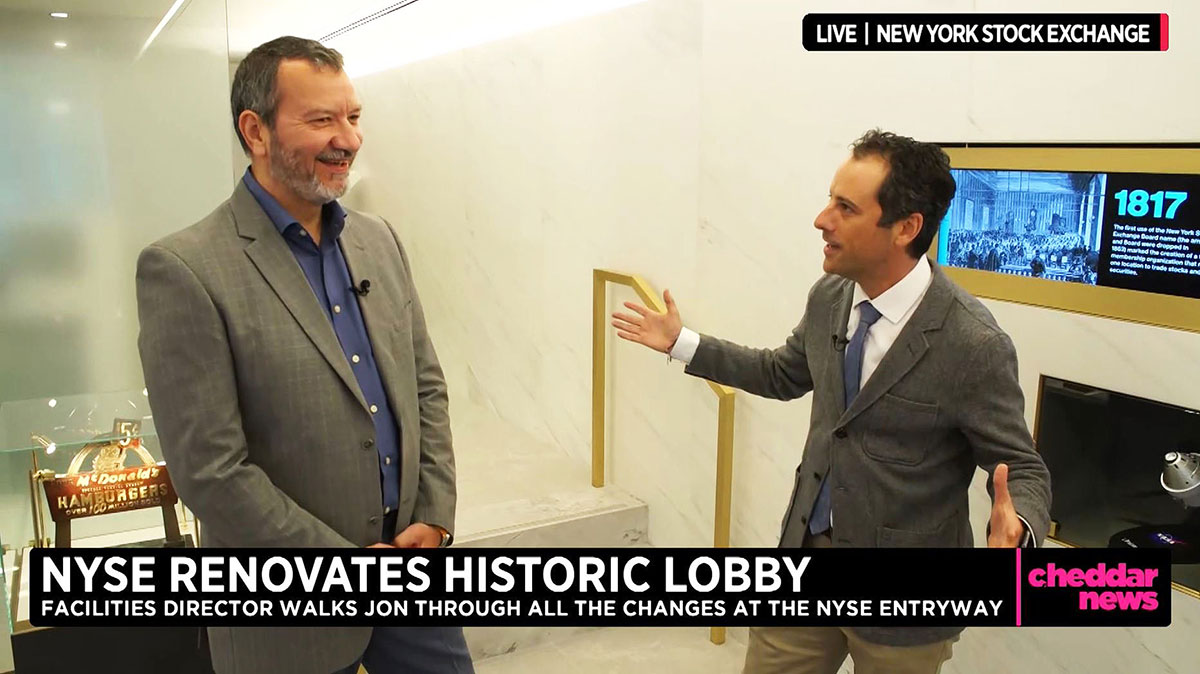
822, 650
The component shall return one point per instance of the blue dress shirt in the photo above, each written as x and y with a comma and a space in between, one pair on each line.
327, 274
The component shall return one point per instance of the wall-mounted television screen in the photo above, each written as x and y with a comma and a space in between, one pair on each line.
1026, 221
1139, 231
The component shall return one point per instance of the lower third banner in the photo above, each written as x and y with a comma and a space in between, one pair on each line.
601, 587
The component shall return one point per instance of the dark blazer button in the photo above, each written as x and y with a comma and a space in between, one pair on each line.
817, 476
368, 443
374, 519
804, 519
840, 433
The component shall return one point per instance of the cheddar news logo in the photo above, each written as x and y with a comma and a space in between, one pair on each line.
1093, 587
1108, 589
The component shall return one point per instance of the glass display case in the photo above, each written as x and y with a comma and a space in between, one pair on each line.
81, 471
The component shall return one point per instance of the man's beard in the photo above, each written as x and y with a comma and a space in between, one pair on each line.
287, 167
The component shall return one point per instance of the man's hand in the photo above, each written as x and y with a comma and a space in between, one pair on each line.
655, 330
419, 535
1005, 528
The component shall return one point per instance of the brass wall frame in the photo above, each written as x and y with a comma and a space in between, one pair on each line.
725, 400
1130, 305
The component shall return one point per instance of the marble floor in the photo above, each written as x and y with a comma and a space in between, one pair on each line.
980, 651
632, 649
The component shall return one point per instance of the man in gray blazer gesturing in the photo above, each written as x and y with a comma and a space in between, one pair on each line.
913, 385
294, 387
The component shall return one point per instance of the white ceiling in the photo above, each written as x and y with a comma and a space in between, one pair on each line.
419, 30
137, 9
253, 22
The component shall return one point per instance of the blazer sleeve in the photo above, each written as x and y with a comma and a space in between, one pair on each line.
437, 494
781, 373
189, 375
992, 417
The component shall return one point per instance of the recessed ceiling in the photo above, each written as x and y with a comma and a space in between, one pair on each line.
134, 9
253, 22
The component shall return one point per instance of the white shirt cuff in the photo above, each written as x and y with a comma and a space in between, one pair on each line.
685, 345
1029, 533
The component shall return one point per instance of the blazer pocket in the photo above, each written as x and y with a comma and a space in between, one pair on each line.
900, 430
887, 537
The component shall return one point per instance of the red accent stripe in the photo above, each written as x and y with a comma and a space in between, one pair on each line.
1162, 32
1019, 578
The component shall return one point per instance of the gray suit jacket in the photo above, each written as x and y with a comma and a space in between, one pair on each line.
944, 399
262, 423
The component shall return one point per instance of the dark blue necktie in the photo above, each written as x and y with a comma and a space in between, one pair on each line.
852, 374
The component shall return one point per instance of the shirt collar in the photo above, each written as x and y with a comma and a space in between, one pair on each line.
333, 216
895, 302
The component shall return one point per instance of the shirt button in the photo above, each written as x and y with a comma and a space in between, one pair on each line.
387, 509
303, 233
354, 358
387, 460
374, 409
337, 308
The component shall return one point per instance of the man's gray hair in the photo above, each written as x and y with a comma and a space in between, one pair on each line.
254, 82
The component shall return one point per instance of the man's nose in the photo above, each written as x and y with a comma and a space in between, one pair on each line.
348, 137
822, 221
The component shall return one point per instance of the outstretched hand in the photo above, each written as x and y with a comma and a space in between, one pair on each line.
1005, 528
650, 328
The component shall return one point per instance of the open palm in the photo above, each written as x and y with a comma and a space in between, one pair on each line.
648, 327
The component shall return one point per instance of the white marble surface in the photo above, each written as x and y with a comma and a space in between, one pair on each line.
516, 491
624, 650
979, 651
692, 141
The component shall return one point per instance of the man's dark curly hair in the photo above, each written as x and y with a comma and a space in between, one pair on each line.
918, 181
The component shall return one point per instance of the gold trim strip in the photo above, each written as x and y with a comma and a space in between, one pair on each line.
725, 407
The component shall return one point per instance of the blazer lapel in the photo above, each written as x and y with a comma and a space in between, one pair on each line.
910, 345
275, 261
378, 311
839, 315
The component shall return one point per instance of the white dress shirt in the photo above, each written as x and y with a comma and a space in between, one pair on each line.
896, 305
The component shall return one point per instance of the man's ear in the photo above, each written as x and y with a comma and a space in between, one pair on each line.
254, 132
907, 229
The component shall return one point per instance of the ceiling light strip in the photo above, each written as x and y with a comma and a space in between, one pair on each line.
162, 24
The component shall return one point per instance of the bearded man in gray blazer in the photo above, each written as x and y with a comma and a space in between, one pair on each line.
914, 385
294, 386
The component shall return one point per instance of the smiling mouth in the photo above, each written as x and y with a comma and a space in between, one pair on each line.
336, 164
